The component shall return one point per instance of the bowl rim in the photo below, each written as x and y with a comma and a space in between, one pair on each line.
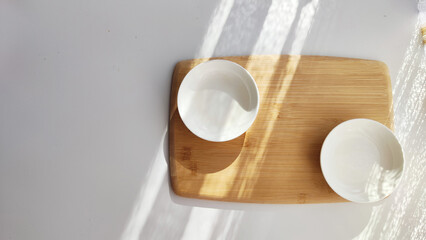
380, 125
256, 88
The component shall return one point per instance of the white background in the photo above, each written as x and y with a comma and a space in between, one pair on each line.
84, 100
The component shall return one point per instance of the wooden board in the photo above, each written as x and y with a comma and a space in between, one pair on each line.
278, 159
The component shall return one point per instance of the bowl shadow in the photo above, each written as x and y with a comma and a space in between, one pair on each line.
201, 156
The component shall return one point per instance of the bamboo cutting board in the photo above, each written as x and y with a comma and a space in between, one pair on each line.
302, 98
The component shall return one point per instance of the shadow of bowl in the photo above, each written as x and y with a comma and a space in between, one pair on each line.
201, 156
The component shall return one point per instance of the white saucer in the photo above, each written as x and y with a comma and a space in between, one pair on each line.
218, 100
362, 160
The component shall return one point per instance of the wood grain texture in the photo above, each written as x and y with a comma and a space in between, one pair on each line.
278, 159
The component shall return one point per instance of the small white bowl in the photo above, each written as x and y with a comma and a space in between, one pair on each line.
218, 100
362, 160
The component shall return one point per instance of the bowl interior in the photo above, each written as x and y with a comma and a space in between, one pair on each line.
362, 160
218, 100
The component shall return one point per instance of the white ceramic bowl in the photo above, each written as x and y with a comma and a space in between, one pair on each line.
218, 100
362, 160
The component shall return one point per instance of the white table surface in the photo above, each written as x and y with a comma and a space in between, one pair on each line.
84, 94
